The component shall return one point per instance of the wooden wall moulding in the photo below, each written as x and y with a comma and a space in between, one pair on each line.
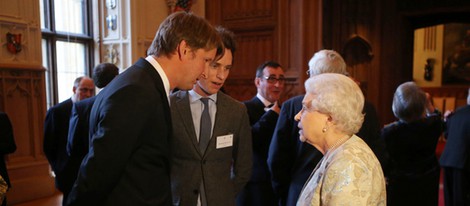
10, 10
254, 48
249, 10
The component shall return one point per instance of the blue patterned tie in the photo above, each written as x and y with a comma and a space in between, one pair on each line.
206, 125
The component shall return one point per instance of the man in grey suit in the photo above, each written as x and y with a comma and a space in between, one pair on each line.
128, 162
210, 167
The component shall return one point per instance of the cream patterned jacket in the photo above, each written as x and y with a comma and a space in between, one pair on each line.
347, 175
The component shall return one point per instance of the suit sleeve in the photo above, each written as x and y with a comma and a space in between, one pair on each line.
243, 161
73, 129
50, 138
117, 123
263, 129
7, 141
78, 132
282, 151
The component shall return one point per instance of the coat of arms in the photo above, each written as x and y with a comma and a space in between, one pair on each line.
13, 42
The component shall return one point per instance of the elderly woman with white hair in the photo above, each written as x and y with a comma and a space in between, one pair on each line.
349, 172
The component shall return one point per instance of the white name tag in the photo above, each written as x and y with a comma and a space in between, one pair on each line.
224, 141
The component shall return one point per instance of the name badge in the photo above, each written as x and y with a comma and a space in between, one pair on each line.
224, 141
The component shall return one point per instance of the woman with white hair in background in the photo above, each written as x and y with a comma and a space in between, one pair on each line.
349, 172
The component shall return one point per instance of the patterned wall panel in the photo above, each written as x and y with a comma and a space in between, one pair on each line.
22, 97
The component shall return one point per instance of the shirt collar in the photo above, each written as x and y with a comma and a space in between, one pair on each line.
194, 96
166, 82
265, 102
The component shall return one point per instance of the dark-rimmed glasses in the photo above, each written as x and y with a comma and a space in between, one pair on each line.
273, 80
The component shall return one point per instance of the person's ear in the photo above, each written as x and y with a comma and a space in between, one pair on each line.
257, 81
182, 49
74, 89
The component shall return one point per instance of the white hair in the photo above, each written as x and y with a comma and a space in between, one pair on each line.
338, 96
326, 61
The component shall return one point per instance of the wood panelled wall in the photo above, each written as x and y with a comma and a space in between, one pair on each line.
382, 58
268, 30
375, 38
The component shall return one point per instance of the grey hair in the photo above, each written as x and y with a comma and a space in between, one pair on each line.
338, 96
409, 102
468, 97
327, 61
76, 82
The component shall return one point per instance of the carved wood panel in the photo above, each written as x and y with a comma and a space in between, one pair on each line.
22, 97
288, 32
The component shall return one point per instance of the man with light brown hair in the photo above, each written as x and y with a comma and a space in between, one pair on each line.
128, 162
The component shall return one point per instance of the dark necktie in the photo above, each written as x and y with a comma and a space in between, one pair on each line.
206, 125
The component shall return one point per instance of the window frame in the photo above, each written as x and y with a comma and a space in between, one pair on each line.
51, 36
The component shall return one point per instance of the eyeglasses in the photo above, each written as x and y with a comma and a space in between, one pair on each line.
82, 89
273, 80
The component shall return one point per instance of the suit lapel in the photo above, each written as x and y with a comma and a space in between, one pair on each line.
184, 112
150, 70
221, 122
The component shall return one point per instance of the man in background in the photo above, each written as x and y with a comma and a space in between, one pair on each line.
212, 138
128, 162
56, 128
263, 110
78, 135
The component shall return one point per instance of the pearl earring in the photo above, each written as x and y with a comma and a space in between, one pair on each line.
324, 129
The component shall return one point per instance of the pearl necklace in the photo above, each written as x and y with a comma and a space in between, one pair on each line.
338, 142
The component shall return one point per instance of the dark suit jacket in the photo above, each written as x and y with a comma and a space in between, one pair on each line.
225, 170
78, 137
129, 158
7, 144
291, 161
457, 150
262, 129
259, 189
56, 128
412, 166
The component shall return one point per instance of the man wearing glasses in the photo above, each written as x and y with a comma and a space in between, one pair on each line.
263, 110
56, 128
